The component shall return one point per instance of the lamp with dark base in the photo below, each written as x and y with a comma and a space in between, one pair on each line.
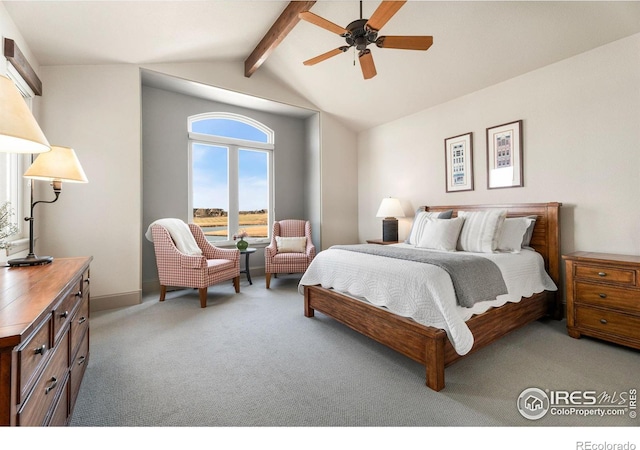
58, 165
390, 208
31, 259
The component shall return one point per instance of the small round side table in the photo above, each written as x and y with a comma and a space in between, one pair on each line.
246, 252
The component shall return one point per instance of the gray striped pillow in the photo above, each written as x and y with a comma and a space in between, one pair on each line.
481, 230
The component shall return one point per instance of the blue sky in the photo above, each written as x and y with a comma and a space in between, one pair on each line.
210, 167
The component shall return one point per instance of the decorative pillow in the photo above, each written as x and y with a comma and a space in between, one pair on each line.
417, 226
441, 234
512, 233
481, 230
291, 244
526, 239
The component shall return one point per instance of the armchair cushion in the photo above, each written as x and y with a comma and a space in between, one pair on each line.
291, 244
180, 233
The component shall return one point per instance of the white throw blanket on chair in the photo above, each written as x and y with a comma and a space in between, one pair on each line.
180, 233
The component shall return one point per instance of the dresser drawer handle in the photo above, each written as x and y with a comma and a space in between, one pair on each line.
64, 315
602, 274
54, 383
40, 350
81, 360
82, 320
79, 294
87, 280
602, 295
603, 321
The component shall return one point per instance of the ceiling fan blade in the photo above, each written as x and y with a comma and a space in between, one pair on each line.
405, 42
327, 55
383, 13
366, 64
310, 17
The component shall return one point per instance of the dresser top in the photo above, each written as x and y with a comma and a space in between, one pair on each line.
603, 258
27, 294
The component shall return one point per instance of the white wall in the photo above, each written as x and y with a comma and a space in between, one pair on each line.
96, 110
581, 137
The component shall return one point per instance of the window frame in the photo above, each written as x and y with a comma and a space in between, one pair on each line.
234, 146
18, 187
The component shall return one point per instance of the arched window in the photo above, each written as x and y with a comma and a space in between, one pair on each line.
231, 176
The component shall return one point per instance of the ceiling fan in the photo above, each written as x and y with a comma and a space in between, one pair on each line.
362, 32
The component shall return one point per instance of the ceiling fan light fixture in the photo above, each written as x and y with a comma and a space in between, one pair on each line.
362, 32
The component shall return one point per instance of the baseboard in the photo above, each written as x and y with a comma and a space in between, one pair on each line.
115, 301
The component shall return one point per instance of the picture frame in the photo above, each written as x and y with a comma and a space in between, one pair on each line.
458, 158
504, 156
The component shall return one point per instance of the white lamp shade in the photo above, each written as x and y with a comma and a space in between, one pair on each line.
390, 207
19, 131
60, 164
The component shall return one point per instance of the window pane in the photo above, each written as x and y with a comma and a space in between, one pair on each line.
253, 192
210, 191
229, 128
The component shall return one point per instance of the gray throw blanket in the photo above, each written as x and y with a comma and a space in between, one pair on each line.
475, 279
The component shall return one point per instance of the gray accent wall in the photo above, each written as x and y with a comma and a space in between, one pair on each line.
165, 163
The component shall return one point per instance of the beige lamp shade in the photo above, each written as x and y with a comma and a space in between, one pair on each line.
60, 164
19, 131
390, 207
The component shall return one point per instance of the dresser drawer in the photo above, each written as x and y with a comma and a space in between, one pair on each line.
608, 322
79, 325
32, 355
63, 310
60, 413
78, 366
49, 386
607, 296
607, 274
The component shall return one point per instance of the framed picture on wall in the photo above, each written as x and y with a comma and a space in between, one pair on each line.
504, 156
458, 162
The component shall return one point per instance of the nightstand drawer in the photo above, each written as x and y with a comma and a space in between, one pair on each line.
608, 322
607, 296
606, 274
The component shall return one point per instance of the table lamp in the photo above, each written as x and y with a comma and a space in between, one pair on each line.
58, 165
390, 208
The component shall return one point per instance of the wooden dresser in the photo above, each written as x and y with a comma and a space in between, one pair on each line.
44, 341
603, 297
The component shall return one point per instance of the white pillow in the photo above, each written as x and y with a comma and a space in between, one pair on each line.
441, 234
291, 244
481, 230
419, 222
512, 233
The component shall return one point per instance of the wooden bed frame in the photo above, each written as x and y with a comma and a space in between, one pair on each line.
430, 346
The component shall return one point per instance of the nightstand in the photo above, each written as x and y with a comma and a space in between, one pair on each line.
603, 297
381, 242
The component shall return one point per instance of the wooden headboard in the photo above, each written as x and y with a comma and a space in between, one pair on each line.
546, 233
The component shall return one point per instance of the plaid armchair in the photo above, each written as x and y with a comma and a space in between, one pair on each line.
279, 261
179, 269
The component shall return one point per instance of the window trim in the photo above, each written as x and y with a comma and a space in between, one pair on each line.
20, 189
234, 146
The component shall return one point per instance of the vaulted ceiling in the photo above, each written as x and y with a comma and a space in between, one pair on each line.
476, 44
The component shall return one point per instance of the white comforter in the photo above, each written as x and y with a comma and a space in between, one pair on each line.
423, 292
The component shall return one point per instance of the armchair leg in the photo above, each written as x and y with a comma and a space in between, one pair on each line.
163, 292
236, 284
203, 297
268, 278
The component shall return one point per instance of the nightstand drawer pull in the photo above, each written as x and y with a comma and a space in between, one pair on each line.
602, 295
602, 274
603, 321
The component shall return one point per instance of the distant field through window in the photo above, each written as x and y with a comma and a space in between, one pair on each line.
231, 176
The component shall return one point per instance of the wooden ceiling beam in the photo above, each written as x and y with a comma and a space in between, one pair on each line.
280, 28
